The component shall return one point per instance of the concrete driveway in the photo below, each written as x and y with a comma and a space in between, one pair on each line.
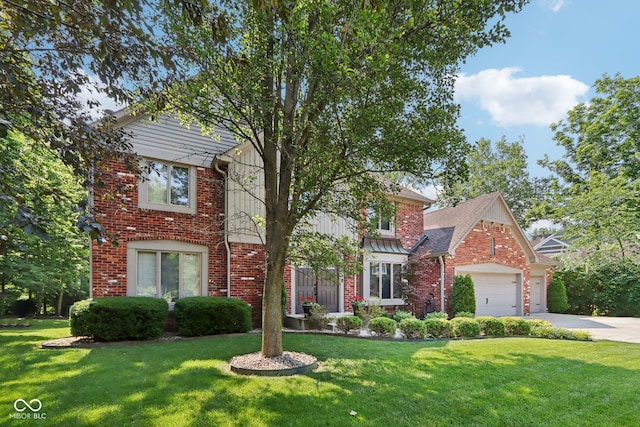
626, 329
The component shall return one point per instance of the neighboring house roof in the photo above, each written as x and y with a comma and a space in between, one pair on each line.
446, 229
552, 244
387, 245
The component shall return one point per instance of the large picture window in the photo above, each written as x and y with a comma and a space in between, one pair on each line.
385, 280
166, 269
168, 187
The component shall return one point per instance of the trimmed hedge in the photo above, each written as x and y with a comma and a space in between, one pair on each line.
382, 326
119, 318
413, 329
197, 316
465, 327
348, 323
515, 325
400, 315
438, 328
490, 326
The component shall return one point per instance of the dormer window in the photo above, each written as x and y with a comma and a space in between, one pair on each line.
169, 187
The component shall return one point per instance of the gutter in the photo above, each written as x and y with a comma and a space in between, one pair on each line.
441, 260
216, 162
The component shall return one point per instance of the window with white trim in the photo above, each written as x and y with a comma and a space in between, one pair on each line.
383, 222
166, 269
169, 187
384, 280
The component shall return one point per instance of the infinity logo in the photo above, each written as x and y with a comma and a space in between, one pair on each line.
35, 408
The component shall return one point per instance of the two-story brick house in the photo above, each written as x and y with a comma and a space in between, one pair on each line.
189, 227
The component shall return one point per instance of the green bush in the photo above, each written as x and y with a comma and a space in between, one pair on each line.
119, 318
400, 315
383, 326
318, 318
539, 323
197, 316
465, 314
413, 329
465, 327
490, 326
463, 296
348, 323
557, 296
438, 328
437, 315
515, 325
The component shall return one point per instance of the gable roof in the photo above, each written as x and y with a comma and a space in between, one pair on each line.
552, 244
445, 229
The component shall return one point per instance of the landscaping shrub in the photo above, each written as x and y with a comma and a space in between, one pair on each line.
119, 318
400, 315
490, 326
465, 314
465, 327
438, 328
348, 323
196, 316
413, 328
437, 315
552, 332
539, 323
463, 297
515, 325
557, 296
383, 326
319, 318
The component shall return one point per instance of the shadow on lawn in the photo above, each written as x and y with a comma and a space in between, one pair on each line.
359, 382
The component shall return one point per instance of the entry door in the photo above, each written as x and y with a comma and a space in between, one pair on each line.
536, 302
327, 289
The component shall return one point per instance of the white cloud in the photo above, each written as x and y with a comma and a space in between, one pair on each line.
93, 92
512, 100
554, 5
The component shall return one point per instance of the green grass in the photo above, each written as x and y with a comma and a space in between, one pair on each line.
485, 382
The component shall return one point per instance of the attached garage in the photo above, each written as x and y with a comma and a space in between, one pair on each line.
498, 289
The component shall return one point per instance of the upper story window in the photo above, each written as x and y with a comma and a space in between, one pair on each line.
169, 187
383, 222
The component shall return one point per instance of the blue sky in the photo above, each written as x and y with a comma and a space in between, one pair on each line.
557, 50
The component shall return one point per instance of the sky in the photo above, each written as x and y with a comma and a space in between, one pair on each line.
557, 50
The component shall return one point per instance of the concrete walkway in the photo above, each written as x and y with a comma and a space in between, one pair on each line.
625, 329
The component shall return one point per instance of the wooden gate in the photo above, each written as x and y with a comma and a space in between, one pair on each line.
327, 293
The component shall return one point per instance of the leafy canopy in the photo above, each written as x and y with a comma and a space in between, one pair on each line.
595, 191
330, 94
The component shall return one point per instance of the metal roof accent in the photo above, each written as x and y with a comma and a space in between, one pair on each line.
384, 244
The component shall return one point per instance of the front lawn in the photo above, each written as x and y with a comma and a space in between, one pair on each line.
492, 382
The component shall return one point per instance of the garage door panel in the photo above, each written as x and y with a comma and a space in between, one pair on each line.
496, 294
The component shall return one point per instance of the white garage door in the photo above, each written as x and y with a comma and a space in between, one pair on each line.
496, 294
536, 303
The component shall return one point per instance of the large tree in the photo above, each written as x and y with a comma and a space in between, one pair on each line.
330, 94
503, 168
58, 58
596, 186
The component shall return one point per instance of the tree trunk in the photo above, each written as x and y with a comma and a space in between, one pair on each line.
59, 305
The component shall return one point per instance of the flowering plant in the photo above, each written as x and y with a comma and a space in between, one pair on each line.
308, 300
357, 300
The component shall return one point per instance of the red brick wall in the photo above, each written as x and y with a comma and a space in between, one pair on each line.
475, 249
120, 215
409, 224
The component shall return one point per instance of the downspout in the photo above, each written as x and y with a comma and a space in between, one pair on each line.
226, 212
441, 260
